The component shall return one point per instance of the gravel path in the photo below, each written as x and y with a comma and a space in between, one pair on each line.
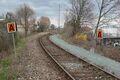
35, 65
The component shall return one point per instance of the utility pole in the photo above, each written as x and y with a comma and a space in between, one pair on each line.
59, 16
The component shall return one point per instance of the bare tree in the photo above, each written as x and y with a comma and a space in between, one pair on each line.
107, 11
24, 13
79, 14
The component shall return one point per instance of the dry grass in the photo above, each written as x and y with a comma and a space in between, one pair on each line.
111, 52
7, 71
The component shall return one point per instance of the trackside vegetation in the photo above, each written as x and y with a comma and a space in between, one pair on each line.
6, 73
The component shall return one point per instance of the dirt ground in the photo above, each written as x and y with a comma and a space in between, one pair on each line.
34, 64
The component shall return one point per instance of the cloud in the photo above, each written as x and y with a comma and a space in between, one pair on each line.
54, 21
48, 8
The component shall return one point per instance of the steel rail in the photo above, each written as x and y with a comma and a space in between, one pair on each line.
44, 48
97, 66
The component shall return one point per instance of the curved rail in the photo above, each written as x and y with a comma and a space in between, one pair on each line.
44, 48
97, 66
49, 53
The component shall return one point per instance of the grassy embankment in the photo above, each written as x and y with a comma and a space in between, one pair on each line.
7, 62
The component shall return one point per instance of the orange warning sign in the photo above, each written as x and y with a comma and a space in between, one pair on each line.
11, 27
99, 34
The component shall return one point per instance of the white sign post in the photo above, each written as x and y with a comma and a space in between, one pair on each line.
11, 27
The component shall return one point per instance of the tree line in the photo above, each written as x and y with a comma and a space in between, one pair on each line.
94, 12
24, 16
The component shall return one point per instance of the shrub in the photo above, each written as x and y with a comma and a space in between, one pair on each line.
81, 37
5, 41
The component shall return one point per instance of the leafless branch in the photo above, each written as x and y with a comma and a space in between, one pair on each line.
24, 13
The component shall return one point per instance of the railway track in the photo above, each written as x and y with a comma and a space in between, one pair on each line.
74, 67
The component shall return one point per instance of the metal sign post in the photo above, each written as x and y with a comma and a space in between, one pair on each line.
13, 36
11, 27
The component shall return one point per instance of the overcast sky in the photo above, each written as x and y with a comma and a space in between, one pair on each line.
48, 8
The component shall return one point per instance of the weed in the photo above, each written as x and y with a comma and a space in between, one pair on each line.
5, 64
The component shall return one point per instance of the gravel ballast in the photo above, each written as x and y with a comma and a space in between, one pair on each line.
35, 64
